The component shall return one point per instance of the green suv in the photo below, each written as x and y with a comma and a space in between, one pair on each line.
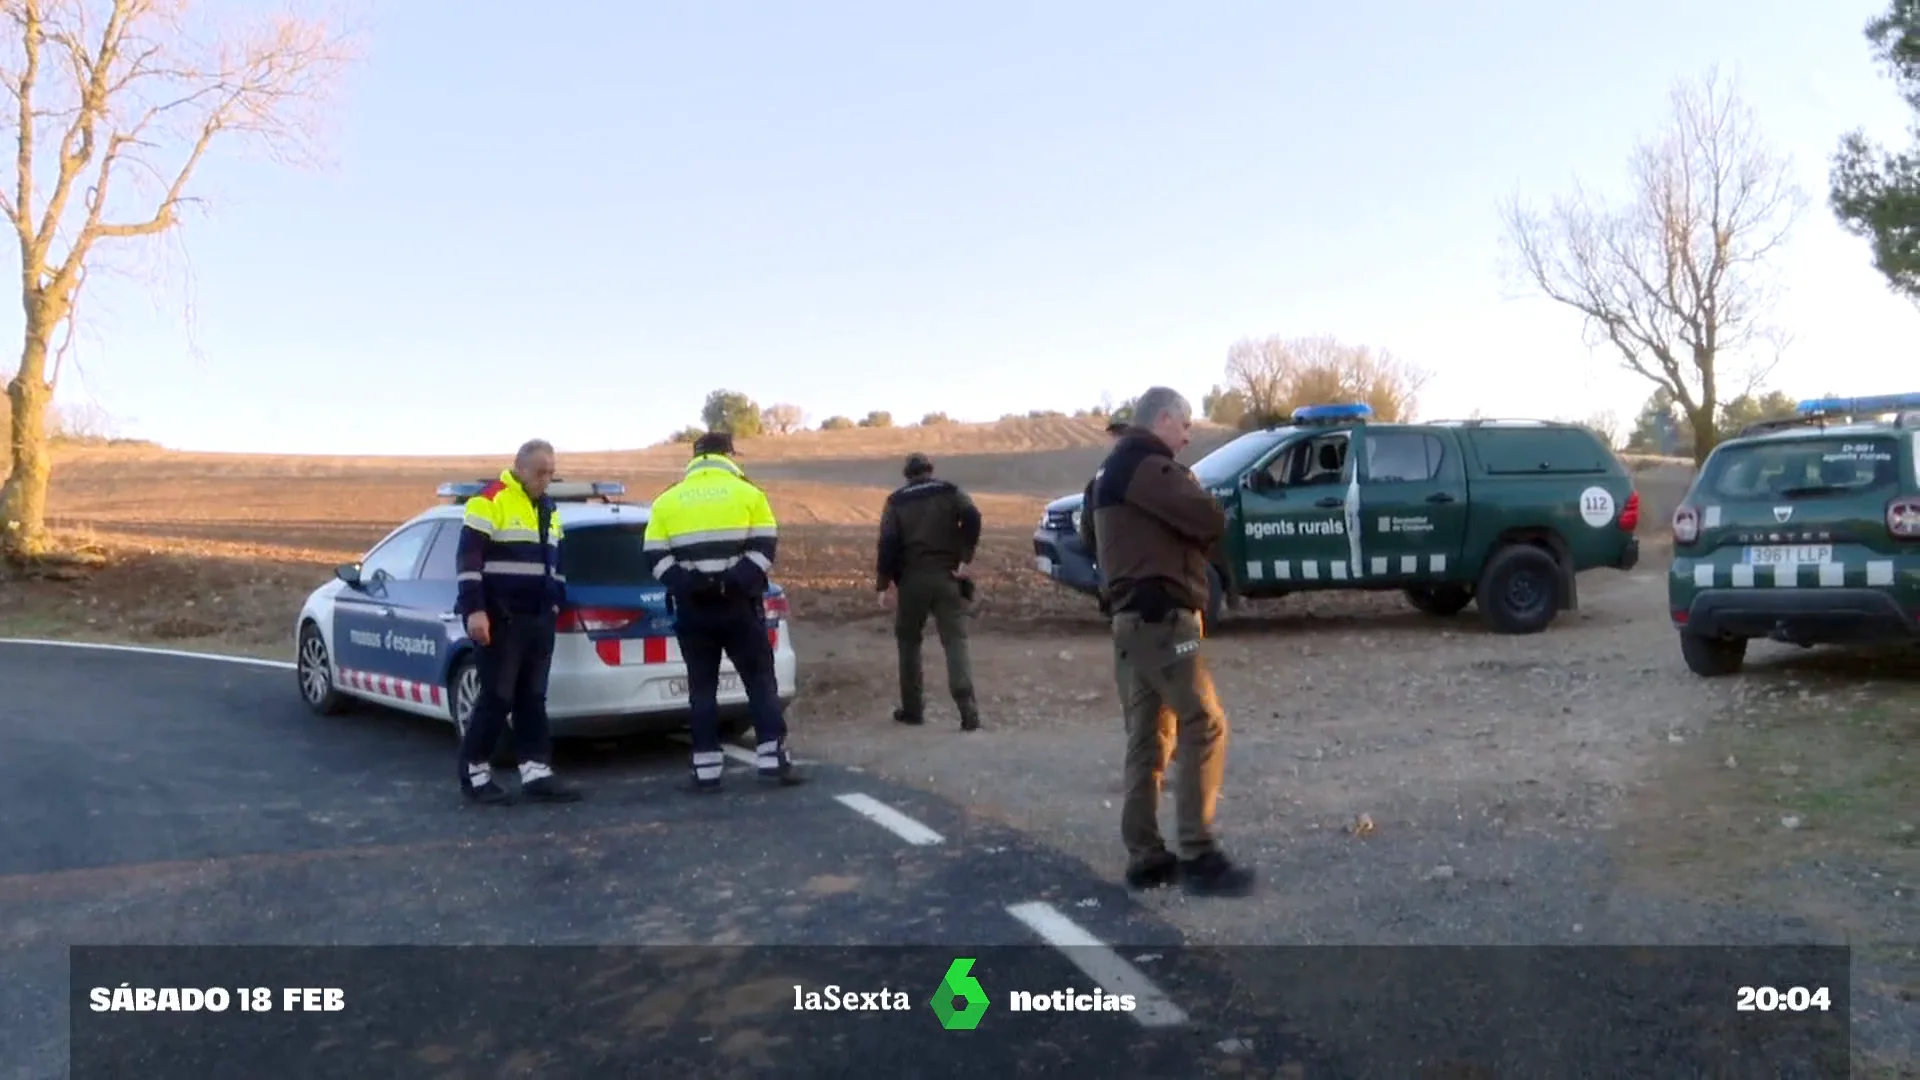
1804, 530
1499, 513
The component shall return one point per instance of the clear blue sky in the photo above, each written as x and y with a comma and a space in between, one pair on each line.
577, 227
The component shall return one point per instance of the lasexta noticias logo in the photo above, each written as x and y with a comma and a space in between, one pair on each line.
960, 1001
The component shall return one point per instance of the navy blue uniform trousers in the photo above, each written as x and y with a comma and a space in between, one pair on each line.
734, 628
513, 679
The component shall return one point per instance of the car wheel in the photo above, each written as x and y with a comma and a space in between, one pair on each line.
463, 693
1712, 657
1520, 591
315, 671
1444, 601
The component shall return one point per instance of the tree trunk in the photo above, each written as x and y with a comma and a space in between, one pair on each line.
23, 498
1706, 433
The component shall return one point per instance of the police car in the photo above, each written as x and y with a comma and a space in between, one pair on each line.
384, 630
1804, 530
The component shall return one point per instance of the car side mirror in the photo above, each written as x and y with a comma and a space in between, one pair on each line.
349, 573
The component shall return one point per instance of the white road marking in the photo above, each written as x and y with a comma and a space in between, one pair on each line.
889, 819
284, 665
1153, 1008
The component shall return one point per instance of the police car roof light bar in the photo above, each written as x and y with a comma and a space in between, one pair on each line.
1331, 414
1854, 406
559, 490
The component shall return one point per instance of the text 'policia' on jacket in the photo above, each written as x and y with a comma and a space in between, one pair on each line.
918, 530
1154, 524
712, 524
503, 565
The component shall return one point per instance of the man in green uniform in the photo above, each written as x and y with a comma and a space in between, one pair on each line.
928, 534
1154, 527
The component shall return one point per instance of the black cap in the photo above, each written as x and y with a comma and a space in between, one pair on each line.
714, 442
1115, 427
917, 465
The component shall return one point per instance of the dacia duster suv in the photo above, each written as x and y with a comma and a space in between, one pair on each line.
1504, 514
1804, 530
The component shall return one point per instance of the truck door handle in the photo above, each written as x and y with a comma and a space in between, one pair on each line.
1330, 502
386, 612
1439, 496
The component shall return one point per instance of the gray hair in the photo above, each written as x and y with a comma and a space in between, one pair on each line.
1160, 401
524, 456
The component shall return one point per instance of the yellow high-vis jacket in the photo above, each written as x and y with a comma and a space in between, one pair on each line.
714, 523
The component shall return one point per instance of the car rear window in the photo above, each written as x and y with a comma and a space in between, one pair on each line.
605, 555
1803, 468
1536, 450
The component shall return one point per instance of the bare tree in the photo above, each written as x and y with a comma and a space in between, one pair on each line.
1677, 279
115, 104
783, 419
1275, 375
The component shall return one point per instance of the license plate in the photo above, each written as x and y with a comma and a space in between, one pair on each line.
1790, 555
1043, 563
729, 684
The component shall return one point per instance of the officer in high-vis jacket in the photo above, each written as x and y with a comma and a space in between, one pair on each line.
711, 540
510, 592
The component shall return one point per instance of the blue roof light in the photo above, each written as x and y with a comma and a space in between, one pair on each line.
1331, 414
1882, 403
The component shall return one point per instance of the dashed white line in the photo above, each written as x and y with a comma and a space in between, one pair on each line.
103, 646
889, 819
1153, 1008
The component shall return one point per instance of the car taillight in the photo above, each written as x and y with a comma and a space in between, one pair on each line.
1630, 514
590, 619
1903, 518
778, 609
1686, 525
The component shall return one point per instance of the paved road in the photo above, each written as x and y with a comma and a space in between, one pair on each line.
165, 801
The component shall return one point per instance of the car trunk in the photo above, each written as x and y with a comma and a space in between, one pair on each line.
1799, 501
615, 607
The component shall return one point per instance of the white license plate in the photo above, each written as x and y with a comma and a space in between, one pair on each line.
729, 684
1044, 564
1790, 555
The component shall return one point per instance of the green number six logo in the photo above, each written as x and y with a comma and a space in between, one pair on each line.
956, 987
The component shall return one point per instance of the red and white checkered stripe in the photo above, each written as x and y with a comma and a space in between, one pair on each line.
645, 652
397, 689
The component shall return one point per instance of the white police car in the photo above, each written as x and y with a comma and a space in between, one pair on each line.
384, 631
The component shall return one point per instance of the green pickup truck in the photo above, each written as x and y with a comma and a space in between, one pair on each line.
1502, 513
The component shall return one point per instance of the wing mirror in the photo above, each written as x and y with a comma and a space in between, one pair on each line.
349, 573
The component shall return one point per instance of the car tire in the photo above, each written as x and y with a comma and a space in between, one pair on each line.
314, 670
1444, 601
463, 689
1713, 657
1520, 591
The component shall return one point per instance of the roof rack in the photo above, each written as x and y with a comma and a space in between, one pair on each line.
1819, 412
1498, 421
559, 490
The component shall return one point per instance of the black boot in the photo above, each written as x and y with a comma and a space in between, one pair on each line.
902, 716
546, 787
478, 786
1213, 874
1154, 871
969, 713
